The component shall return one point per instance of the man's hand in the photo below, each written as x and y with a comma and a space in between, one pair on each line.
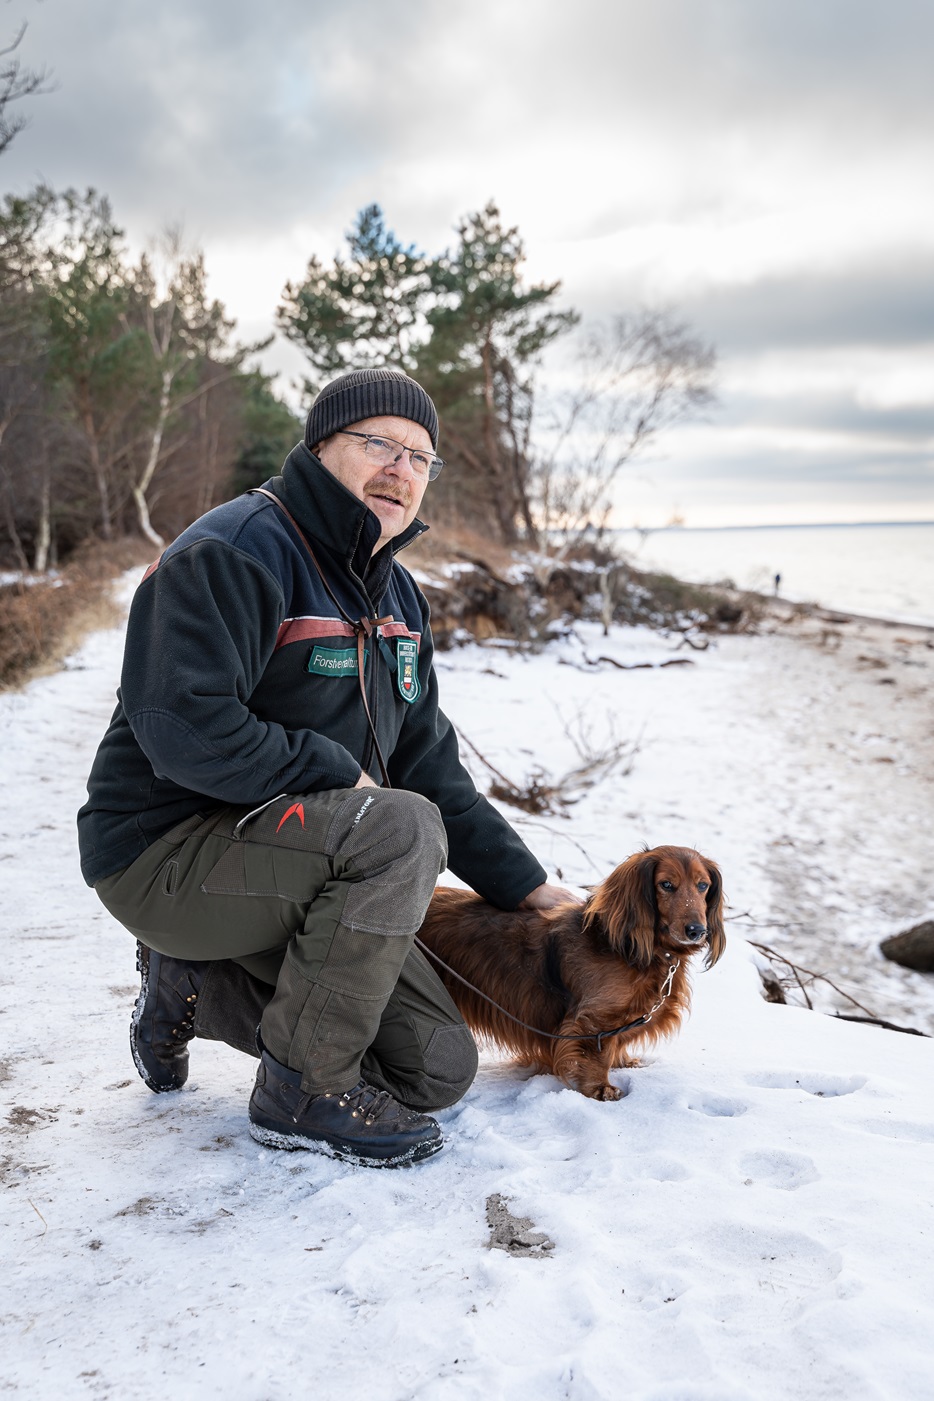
546, 897
365, 781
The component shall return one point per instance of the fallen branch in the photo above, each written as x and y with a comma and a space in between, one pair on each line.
877, 1021
797, 970
540, 794
530, 822
625, 666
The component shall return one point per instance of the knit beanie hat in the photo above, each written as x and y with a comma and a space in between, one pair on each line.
369, 394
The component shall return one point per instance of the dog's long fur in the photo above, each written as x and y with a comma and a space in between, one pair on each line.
580, 969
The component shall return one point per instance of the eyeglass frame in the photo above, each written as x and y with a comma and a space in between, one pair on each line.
435, 463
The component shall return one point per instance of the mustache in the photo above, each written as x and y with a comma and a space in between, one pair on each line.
385, 486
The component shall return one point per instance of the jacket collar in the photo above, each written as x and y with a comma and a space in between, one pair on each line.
337, 520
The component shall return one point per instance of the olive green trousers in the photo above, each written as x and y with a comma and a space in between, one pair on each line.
306, 909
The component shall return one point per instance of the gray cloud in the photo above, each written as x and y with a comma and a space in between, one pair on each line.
214, 113
882, 304
249, 121
224, 110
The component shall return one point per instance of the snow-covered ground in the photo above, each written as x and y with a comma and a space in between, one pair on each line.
753, 1220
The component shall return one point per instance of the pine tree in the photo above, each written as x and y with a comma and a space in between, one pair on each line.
366, 310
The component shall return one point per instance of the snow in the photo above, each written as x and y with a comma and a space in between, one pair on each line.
11, 577
753, 1220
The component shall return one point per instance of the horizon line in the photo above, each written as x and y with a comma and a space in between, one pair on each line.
770, 525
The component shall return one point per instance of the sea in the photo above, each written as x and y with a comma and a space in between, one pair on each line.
879, 570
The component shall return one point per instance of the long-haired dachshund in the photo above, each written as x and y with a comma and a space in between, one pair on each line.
580, 970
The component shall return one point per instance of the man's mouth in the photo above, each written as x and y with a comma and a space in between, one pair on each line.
389, 496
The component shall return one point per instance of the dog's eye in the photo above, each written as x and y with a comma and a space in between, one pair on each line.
666, 885
703, 885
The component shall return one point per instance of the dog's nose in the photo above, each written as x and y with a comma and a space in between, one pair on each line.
696, 931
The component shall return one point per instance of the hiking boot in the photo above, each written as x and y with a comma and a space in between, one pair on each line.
363, 1125
163, 1020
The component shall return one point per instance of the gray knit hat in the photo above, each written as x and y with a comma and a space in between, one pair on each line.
369, 394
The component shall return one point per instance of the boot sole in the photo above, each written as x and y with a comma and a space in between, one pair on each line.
290, 1142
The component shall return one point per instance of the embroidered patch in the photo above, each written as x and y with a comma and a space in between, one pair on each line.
407, 675
333, 661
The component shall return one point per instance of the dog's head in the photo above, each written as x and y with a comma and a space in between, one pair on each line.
669, 897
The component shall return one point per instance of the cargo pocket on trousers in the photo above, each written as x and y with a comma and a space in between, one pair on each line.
247, 868
228, 875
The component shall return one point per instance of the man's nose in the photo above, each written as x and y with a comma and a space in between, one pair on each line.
403, 464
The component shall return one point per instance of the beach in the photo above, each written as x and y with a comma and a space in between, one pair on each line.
734, 1229
801, 757
877, 569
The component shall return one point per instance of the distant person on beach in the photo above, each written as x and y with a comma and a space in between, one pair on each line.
240, 821
778, 584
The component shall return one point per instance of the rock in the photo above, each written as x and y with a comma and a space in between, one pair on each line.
913, 948
515, 1234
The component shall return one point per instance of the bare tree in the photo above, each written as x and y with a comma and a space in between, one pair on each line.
16, 82
183, 328
635, 376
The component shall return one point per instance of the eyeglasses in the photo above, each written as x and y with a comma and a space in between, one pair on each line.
386, 451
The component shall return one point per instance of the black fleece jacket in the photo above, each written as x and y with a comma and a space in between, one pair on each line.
239, 683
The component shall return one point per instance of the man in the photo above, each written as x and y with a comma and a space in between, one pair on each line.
235, 824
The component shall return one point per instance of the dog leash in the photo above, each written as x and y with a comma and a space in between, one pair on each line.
598, 1036
363, 628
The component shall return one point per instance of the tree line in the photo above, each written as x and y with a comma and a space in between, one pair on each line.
125, 403
128, 405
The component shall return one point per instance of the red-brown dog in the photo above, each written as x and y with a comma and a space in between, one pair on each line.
579, 970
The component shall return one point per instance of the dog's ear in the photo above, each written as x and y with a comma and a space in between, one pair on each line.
625, 906
716, 935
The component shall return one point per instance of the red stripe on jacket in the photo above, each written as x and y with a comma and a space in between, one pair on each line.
305, 629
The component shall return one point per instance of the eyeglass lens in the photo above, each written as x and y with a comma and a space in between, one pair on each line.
384, 451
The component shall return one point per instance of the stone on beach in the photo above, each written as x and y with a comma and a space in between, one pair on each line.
913, 948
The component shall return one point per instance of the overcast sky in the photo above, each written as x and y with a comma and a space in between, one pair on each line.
764, 166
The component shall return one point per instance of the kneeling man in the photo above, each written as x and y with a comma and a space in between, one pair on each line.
278, 791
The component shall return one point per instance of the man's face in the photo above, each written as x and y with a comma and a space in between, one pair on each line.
393, 493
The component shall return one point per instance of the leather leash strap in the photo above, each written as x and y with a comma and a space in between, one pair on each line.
363, 628
598, 1036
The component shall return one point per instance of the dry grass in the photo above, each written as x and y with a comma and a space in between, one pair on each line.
40, 624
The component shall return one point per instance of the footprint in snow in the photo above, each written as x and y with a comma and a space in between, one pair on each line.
901, 1128
664, 1170
772, 1168
717, 1106
814, 1082
781, 1272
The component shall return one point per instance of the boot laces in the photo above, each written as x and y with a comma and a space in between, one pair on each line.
365, 1101
187, 1021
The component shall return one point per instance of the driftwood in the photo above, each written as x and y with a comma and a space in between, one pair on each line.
913, 948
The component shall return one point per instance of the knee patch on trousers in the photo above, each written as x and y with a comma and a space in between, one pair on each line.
451, 1062
395, 841
446, 1072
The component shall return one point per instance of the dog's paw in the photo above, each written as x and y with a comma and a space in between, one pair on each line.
606, 1092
